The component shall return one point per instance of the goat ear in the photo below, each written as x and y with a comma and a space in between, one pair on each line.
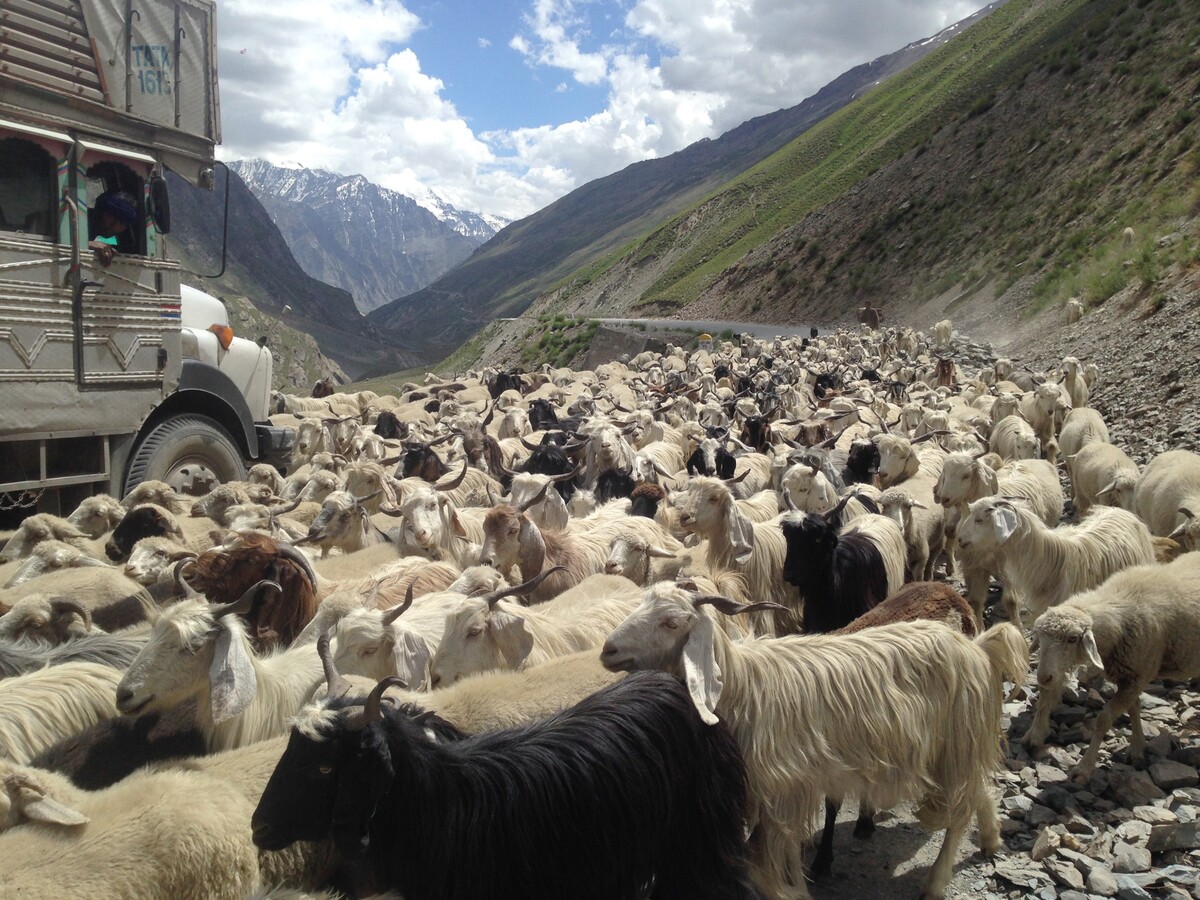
31, 799
741, 535
412, 658
512, 637
1093, 653
700, 671
362, 784
230, 676
1004, 522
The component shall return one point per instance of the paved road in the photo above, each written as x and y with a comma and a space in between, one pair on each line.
755, 329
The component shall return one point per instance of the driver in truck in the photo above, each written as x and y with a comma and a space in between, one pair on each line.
115, 213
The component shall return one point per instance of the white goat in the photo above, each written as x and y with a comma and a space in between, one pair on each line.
1168, 496
41, 708
1042, 566
925, 724
1102, 473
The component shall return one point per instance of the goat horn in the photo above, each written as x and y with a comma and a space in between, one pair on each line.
491, 496
359, 501
536, 499
338, 686
737, 479
290, 552
186, 589
528, 445
67, 604
393, 614
371, 710
442, 439
789, 502
566, 476
521, 589
280, 510
732, 607
451, 485
488, 421
243, 604
394, 511
837, 510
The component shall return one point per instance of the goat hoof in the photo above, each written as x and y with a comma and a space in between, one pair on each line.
864, 828
821, 868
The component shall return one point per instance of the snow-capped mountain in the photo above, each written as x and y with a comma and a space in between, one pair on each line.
373, 242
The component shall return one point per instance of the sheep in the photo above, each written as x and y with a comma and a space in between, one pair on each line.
201, 650
151, 520
840, 574
1081, 426
925, 721
1043, 566
923, 526
1104, 474
643, 781
1140, 625
102, 590
1013, 438
1074, 310
158, 493
51, 556
153, 560
943, 333
216, 503
39, 708
193, 838
1168, 493
97, 515
43, 527
45, 618
490, 633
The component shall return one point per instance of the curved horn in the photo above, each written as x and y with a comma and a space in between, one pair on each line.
67, 604
523, 588
393, 614
442, 439
451, 485
488, 420
338, 686
359, 501
566, 476
789, 502
528, 445
289, 552
189, 592
732, 607
737, 479
280, 510
536, 499
837, 510
371, 710
491, 496
243, 604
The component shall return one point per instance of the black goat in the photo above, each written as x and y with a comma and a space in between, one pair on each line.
612, 484
542, 416
390, 428
106, 752
550, 458
862, 462
839, 576
712, 459
504, 381
421, 462
140, 522
625, 794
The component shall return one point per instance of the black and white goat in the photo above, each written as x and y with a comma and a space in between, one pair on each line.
626, 790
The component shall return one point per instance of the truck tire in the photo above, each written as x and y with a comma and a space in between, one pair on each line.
185, 450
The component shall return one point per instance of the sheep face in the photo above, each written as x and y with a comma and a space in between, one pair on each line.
477, 638
988, 524
97, 515
1187, 533
36, 529
152, 560
1065, 641
319, 486
141, 522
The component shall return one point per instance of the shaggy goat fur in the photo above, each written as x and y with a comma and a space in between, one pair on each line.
906, 711
40, 708
1140, 625
1169, 485
115, 650
652, 793
1042, 567
1102, 474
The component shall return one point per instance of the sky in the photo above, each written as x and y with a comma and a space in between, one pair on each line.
503, 106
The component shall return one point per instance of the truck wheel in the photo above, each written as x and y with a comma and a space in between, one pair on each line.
190, 453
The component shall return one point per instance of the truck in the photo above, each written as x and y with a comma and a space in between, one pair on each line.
112, 371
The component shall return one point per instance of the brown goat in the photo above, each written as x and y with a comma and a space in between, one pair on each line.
224, 573
932, 600
945, 372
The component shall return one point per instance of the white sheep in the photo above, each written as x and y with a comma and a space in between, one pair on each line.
1102, 473
493, 633
1141, 625
41, 708
1168, 496
97, 515
151, 835
1074, 310
1042, 566
924, 725
51, 556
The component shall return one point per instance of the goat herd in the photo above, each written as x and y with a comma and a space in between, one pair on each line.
625, 633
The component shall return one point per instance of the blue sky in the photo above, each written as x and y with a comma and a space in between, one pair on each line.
503, 106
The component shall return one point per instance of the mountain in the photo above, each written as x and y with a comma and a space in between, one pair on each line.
375, 243
530, 256
260, 267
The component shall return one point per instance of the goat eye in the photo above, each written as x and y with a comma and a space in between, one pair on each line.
1072, 640
367, 651
475, 631
325, 770
670, 623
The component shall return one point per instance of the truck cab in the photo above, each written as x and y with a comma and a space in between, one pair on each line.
111, 370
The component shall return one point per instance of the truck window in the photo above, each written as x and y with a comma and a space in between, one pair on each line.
26, 188
107, 180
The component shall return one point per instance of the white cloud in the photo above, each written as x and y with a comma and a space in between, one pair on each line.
334, 84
